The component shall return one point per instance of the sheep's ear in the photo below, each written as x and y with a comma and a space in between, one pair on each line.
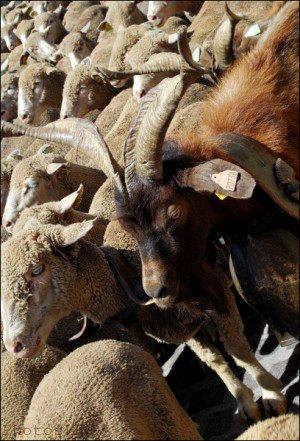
45, 149
87, 61
59, 10
55, 167
220, 177
73, 200
73, 232
24, 57
15, 155
86, 28
173, 38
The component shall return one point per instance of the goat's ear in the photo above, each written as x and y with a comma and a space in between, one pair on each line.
73, 232
218, 176
73, 200
55, 167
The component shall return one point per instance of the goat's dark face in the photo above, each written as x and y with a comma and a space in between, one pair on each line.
171, 226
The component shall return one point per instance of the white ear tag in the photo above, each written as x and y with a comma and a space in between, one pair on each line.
226, 179
253, 31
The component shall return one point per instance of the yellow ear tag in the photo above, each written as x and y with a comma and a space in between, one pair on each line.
221, 196
34, 14
64, 170
108, 27
100, 79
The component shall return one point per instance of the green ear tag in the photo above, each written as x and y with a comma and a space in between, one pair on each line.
253, 31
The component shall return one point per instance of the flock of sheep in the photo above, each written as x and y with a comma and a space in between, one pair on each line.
88, 89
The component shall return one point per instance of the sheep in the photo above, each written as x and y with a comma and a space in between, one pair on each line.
40, 88
119, 16
41, 251
19, 380
93, 16
160, 11
75, 10
42, 178
75, 46
38, 7
82, 93
118, 393
39, 49
9, 95
23, 30
63, 212
49, 25
9, 36
16, 15
14, 60
283, 427
7, 166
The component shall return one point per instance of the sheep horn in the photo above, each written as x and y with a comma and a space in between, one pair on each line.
75, 132
222, 45
143, 146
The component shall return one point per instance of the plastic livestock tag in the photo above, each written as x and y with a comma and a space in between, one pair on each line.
221, 196
196, 54
253, 31
226, 179
108, 27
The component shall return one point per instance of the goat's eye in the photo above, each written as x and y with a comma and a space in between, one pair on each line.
36, 271
174, 212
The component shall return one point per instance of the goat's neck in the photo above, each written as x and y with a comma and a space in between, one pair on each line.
99, 295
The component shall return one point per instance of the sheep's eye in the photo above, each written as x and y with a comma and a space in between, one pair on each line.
51, 21
174, 212
36, 271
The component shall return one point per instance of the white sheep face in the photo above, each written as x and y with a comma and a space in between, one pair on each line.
38, 279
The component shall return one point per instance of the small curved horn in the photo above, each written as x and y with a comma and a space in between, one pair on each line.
222, 44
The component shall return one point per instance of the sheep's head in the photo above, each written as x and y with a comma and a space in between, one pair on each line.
75, 46
82, 93
34, 284
34, 181
9, 96
37, 85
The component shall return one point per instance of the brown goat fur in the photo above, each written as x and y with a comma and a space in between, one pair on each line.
173, 222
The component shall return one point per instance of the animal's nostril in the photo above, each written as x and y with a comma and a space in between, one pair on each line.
23, 116
65, 116
18, 347
8, 226
160, 293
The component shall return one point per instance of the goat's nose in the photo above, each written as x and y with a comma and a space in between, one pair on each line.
159, 293
18, 347
8, 225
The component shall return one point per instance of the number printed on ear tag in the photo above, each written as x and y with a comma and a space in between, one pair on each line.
226, 179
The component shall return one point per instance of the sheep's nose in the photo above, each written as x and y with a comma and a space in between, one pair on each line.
65, 116
152, 17
139, 94
18, 347
23, 116
8, 225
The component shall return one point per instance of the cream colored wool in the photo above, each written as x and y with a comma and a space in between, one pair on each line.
284, 427
19, 379
118, 392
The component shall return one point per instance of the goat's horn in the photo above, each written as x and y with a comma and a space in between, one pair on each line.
222, 44
143, 146
75, 132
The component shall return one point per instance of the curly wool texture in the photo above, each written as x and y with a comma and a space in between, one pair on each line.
118, 392
284, 427
36, 165
19, 380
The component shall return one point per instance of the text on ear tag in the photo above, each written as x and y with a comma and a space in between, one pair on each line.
226, 179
